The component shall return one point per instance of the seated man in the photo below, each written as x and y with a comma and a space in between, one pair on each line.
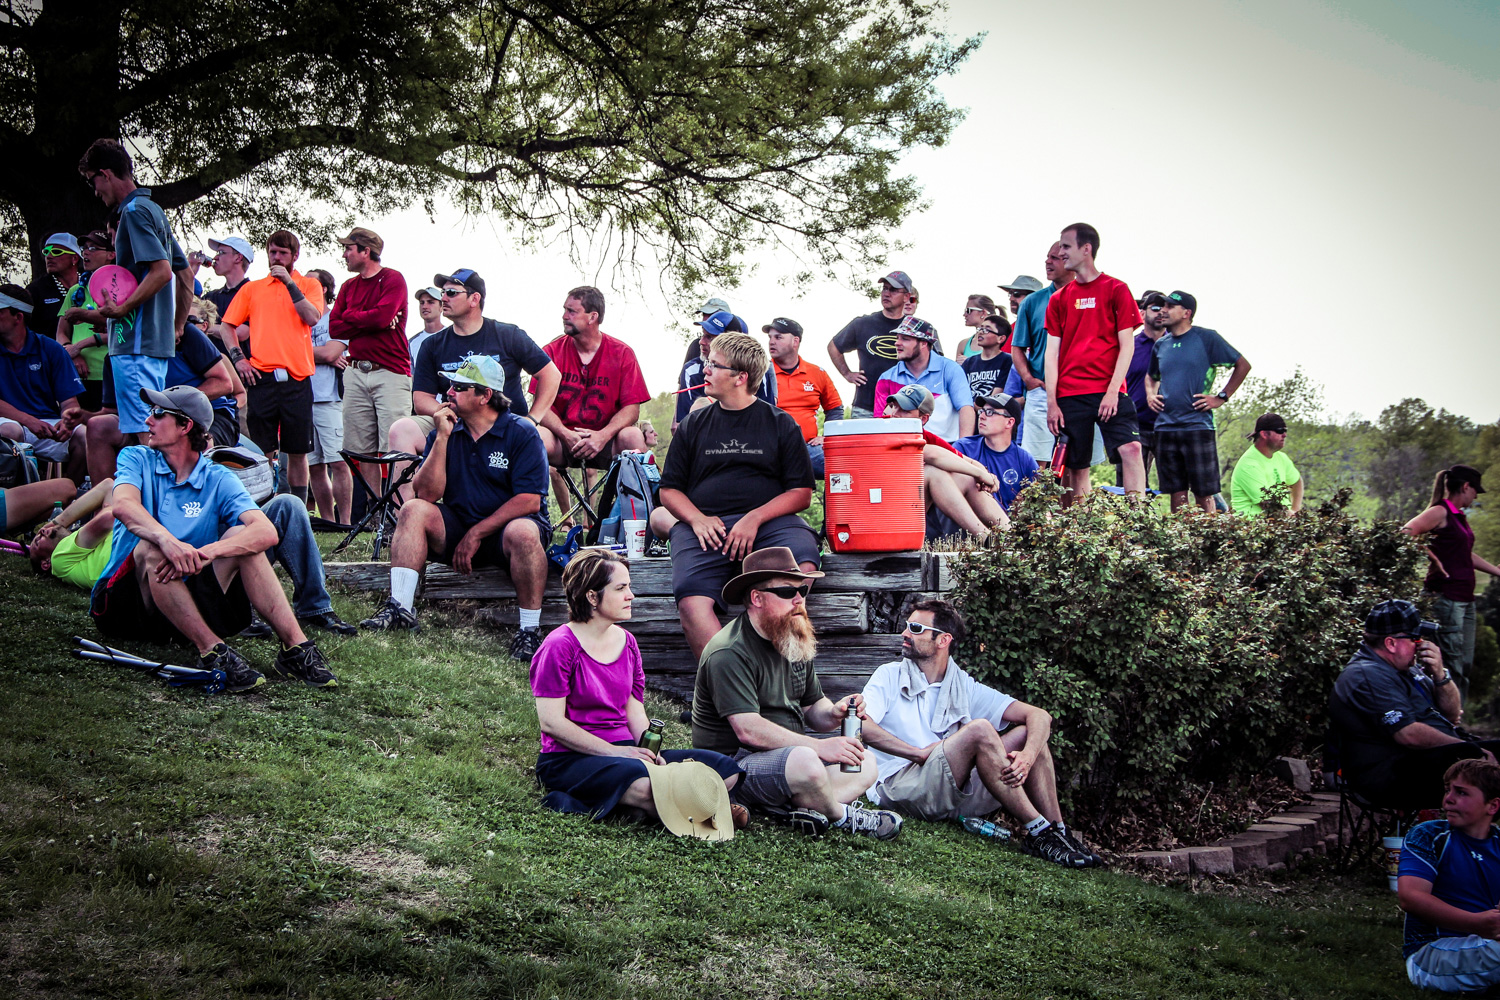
948, 746
962, 490
736, 476
593, 417
187, 560
1446, 885
481, 500
39, 388
1395, 724
756, 692
79, 557
690, 381
994, 448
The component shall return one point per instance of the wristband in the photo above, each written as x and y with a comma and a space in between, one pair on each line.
236, 355
295, 292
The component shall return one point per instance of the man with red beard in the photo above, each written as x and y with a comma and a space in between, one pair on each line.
756, 694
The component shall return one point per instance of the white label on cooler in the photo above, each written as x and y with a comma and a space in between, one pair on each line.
874, 496
840, 482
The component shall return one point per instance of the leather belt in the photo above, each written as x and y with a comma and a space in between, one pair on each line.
368, 366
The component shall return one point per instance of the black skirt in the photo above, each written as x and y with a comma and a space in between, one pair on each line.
591, 784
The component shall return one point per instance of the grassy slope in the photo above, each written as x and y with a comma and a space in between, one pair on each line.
387, 840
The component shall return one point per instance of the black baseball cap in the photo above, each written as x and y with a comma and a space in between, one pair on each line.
1152, 298
467, 277
1461, 475
1185, 300
783, 325
1268, 422
1009, 404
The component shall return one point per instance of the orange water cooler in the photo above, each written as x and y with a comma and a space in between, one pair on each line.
872, 499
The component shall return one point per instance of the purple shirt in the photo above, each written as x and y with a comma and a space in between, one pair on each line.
597, 693
1135, 380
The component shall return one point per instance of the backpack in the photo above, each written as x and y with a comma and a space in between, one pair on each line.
629, 494
17, 466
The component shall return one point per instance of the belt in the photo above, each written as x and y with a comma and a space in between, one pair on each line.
368, 366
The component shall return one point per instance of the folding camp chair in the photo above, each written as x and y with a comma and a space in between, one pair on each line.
581, 497
380, 511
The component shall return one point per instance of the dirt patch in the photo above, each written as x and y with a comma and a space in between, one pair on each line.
406, 881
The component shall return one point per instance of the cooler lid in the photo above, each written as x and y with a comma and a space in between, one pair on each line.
872, 425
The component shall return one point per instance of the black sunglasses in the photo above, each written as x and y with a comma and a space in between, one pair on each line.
787, 593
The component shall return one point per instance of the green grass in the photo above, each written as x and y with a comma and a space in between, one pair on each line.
388, 840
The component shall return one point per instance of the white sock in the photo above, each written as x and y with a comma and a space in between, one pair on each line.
1061, 827
404, 586
844, 819
531, 617
1036, 826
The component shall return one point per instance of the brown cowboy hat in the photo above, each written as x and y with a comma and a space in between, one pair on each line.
763, 565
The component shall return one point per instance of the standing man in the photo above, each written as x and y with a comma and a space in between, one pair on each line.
1262, 465
872, 338
481, 500
1028, 349
83, 333
38, 389
1090, 340
63, 260
707, 309
1178, 390
143, 328
736, 477
594, 413
430, 310
988, 368
916, 364
369, 315
1020, 290
233, 256
277, 312
328, 475
948, 746
1153, 306
802, 388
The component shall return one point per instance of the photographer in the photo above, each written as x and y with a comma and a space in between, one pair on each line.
1394, 711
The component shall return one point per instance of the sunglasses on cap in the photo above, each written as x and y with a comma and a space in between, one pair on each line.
787, 593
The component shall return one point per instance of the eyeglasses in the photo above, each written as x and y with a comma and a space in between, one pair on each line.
90, 178
990, 411
720, 368
787, 593
917, 628
55, 251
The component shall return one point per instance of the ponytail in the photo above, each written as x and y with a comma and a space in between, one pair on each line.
1439, 488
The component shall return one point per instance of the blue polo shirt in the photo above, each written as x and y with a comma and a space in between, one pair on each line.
38, 377
197, 511
1014, 466
947, 382
1030, 332
142, 238
482, 475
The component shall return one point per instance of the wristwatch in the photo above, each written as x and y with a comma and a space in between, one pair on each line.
1447, 679
1223, 394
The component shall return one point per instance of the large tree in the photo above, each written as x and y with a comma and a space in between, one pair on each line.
697, 127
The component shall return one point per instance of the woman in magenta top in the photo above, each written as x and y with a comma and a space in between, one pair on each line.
590, 689
1450, 578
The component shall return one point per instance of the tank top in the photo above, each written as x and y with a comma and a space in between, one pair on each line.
1453, 544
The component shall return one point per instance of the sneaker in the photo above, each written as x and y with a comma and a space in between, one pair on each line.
238, 675
524, 646
328, 622
390, 617
305, 663
257, 629
882, 824
808, 822
1075, 842
1051, 845
658, 548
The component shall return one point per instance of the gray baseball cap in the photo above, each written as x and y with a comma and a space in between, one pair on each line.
183, 399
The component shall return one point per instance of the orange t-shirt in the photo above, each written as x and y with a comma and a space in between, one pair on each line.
278, 337
804, 391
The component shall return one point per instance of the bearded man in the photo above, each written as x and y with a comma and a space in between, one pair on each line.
756, 695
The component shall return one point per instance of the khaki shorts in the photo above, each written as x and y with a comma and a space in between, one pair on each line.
930, 791
328, 433
372, 402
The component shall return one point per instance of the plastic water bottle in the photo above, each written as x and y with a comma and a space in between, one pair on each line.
984, 828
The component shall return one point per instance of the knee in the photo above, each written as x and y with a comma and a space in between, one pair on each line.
416, 512
1131, 448
804, 769
630, 439
520, 535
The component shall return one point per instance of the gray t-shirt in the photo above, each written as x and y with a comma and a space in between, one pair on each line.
142, 238
741, 672
325, 384
1184, 365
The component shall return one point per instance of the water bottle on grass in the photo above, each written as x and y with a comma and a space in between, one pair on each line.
984, 828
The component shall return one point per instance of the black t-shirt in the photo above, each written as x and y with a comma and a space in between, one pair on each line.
46, 302
987, 377
872, 338
508, 344
732, 461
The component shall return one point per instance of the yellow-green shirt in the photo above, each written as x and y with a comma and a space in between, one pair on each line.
78, 296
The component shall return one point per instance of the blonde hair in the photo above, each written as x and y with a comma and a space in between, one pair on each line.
743, 352
206, 309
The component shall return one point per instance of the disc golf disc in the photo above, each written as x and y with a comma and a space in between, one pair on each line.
112, 284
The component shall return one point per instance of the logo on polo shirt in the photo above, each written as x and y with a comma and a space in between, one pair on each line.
498, 460
192, 509
1083, 303
808, 387
35, 366
1392, 717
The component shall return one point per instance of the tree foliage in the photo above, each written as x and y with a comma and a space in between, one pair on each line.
695, 128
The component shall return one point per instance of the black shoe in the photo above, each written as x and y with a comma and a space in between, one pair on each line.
328, 622
524, 646
658, 548
305, 663
808, 822
1075, 842
238, 675
1051, 845
391, 617
257, 629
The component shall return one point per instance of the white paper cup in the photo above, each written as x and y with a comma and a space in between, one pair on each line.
634, 533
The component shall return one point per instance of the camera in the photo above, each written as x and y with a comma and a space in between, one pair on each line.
1426, 630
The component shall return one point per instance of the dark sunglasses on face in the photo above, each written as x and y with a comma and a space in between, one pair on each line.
917, 628
158, 413
787, 593
463, 387
449, 293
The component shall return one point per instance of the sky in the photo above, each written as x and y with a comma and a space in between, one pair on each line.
1306, 169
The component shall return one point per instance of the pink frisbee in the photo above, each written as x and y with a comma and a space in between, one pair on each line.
112, 284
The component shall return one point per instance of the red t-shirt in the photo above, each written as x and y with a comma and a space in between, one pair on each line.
1088, 319
590, 395
930, 438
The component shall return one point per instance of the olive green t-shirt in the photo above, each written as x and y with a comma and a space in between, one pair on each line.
741, 672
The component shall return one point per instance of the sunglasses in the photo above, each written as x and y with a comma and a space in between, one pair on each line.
158, 412
55, 251
1155, 308
464, 387
449, 293
917, 628
974, 309
787, 593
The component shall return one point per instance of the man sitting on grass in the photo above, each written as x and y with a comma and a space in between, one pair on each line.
481, 500
1449, 886
948, 746
188, 557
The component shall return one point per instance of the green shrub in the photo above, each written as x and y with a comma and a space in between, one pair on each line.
1174, 652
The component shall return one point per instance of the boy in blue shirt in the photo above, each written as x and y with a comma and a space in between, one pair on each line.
1449, 886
